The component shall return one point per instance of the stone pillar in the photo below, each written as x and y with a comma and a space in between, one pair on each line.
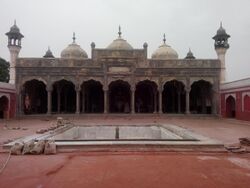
179, 101
20, 102
203, 100
58, 100
77, 101
187, 101
83, 101
106, 101
155, 102
160, 101
132, 100
65, 100
215, 99
174, 99
49, 90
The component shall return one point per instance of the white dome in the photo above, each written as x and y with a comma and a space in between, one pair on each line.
120, 44
165, 52
74, 51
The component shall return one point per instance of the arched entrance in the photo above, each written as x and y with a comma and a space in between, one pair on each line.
247, 103
4, 107
63, 97
173, 97
92, 97
230, 107
119, 97
201, 97
35, 97
146, 97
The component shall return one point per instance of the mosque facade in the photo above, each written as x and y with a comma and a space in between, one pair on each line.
117, 79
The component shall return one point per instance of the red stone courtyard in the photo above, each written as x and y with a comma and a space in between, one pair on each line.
126, 168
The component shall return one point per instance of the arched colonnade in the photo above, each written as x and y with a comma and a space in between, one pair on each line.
63, 96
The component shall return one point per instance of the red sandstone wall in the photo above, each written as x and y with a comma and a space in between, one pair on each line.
223, 105
241, 114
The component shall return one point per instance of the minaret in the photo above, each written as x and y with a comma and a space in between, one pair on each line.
221, 45
14, 45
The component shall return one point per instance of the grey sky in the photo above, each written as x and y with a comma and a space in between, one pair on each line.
187, 23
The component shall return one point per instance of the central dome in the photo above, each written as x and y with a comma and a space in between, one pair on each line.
120, 43
165, 52
74, 51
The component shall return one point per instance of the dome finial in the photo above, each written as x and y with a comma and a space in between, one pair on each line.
119, 33
74, 37
164, 38
15, 22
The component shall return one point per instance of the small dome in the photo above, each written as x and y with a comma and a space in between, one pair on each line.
14, 31
48, 54
221, 32
165, 52
120, 43
190, 55
74, 51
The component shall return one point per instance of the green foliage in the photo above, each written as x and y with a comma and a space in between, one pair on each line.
4, 70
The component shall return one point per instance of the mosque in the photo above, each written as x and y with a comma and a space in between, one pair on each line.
116, 79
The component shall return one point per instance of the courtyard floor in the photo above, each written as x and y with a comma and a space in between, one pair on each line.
129, 169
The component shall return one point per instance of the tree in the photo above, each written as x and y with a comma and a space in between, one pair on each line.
4, 70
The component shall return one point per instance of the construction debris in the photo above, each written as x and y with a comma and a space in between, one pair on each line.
245, 141
14, 128
28, 146
46, 147
59, 121
50, 147
38, 147
41, 131
17, 148
242, 147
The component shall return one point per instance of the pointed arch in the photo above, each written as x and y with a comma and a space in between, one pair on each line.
35, 97
146, 97
92, 97
119, 97
246, 103
230, 107
173, 97
63, 97
201, 97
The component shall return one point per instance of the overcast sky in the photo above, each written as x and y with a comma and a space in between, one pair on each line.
187, 23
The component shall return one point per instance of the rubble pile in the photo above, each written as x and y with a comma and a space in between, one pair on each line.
46, 147
242, 147
60, 122
245, 141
